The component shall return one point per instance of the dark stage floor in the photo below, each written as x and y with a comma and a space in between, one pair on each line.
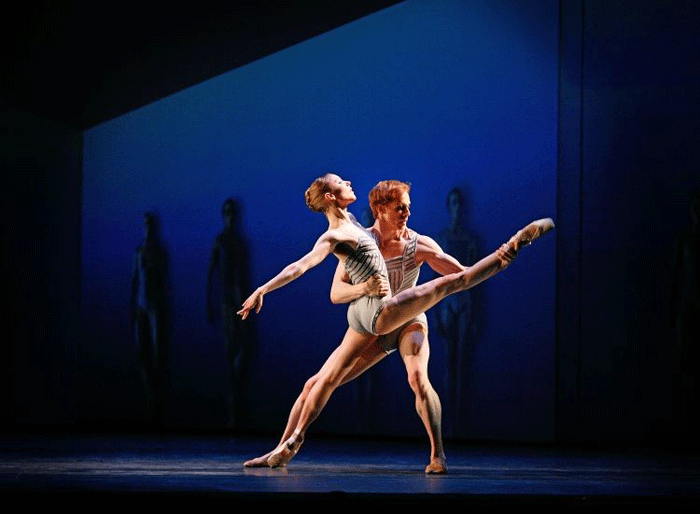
339, 472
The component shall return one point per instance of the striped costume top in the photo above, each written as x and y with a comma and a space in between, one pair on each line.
403, 274
365, 261
361, 264
403, 269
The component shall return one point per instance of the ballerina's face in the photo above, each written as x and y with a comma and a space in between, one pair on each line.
342, 190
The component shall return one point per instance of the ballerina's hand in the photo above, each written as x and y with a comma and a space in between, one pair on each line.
506, 253
256, 299
377, 285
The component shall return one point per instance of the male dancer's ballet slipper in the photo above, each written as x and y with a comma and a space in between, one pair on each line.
436, 467
529, 233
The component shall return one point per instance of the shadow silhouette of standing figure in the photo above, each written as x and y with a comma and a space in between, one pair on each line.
685, 309
455, 314
229, 256
148, 308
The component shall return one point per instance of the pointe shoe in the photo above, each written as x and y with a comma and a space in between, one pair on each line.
258, 462
529, 233
282, 455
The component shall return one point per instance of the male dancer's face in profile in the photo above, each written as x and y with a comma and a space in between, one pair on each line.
397, 212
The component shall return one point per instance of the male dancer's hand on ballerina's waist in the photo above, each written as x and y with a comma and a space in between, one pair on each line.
376, 285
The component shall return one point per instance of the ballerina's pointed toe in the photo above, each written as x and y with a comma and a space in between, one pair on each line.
530, 232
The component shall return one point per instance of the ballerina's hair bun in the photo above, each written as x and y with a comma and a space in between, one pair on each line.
315, 193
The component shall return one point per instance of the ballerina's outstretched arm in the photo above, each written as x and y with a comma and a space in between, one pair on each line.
323, 247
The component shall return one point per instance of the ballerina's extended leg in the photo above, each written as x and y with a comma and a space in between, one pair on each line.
412, 302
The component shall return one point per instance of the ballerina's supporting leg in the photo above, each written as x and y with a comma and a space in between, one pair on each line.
334, 367
332, 375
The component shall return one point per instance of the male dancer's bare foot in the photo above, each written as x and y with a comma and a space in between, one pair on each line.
281, 455
437, 466
529, 233
258, 462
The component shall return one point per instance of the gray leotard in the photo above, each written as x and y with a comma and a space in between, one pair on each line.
403, 271
364, 262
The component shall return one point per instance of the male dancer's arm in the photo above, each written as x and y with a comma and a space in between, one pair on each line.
427, 250
343, 291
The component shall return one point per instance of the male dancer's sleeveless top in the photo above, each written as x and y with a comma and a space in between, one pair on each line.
403, 273
364, 262
403, 269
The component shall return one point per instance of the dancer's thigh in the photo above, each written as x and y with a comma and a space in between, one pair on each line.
372, 354
344, 358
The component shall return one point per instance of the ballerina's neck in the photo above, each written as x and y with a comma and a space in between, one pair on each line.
338, 217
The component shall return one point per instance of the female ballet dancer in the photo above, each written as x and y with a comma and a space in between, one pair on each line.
368, 316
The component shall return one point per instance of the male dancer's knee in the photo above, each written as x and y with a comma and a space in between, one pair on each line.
415, 354
418, 381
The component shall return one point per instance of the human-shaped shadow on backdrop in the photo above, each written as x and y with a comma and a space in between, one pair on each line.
229, 265
456, 315
149, 312
685, 311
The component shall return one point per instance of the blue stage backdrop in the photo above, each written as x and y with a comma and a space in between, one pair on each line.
439, 94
